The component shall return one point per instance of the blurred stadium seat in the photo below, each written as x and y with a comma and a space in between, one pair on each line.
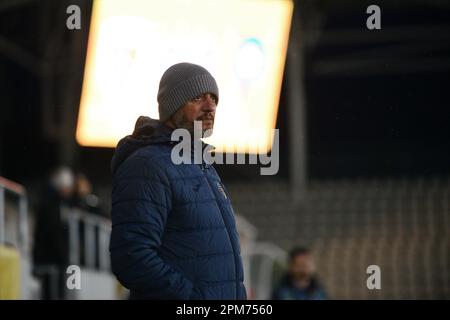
400, 225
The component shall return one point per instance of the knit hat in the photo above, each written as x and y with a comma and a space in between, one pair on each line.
181, 83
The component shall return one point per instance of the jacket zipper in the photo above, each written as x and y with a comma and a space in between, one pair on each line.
202, 166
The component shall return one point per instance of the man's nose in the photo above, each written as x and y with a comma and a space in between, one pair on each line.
209, 103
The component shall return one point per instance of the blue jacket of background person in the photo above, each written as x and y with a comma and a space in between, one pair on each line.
173, 234
288, 291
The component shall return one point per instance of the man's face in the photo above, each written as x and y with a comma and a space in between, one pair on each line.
302, 266
201, 108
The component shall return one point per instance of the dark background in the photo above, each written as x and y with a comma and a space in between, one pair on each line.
376, 101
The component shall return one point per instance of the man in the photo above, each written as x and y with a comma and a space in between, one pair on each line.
173, 230
300, 283
50, 251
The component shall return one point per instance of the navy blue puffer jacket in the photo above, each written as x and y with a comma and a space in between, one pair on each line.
173, 229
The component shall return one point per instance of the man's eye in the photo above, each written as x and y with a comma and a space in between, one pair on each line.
198, 98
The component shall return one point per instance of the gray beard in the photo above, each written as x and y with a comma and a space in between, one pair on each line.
181, 122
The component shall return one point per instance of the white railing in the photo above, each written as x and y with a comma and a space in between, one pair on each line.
258, 273
97, 281
93, 246
261, 283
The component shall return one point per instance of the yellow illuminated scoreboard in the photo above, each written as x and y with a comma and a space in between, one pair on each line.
132, 42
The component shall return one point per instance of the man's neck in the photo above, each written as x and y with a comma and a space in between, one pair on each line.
169, 123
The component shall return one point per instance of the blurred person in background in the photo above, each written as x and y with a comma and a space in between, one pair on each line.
300, 282
173, 230
50, 251
84, 198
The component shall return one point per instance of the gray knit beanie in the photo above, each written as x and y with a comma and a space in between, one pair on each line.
181, 83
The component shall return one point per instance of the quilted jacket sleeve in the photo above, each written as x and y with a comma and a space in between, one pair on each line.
141, 201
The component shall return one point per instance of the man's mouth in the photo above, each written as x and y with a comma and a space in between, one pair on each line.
207, 120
